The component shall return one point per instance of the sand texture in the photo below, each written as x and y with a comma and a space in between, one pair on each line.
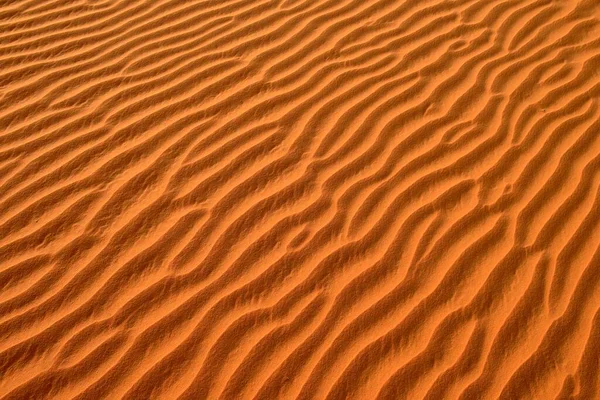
300, 199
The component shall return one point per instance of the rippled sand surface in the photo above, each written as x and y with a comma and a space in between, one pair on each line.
300, 199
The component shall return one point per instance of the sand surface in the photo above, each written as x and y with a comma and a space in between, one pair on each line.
300, 199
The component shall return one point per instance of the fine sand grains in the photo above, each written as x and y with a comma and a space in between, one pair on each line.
300, 199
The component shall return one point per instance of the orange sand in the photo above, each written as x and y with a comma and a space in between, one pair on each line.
300, 199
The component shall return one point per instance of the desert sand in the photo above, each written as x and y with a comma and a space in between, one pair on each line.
300, 199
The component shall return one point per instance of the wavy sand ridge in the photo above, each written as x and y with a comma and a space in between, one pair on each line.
334, 199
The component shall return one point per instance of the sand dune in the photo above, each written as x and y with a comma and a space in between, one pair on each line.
300, 199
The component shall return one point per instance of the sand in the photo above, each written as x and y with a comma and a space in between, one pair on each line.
300, 199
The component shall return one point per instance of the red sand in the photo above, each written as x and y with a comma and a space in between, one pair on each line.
300, 199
